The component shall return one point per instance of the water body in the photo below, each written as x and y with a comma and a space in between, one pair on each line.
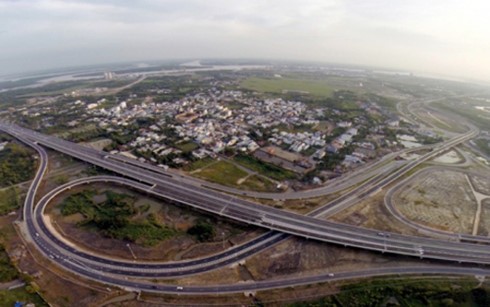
76, 77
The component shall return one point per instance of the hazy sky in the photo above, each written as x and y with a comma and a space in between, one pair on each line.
436, 36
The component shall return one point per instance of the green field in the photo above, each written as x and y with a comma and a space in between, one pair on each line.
281, 85
484, 145
9, 297
407, 293
9, 200
16, 164
115, 218
7, 271
187, 146
266, 169
223, 173
228, 174
259, 184
198, 164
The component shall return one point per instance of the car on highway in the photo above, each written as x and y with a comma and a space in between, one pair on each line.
179, 288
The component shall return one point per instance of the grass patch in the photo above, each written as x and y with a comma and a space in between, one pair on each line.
146, 233
476, 117
283, 85
10, 297
16, 164
7, 271
198, 164
384, 102
257, 183
9, 200
266, 169
408, 293
203, 231
187, 146
115, 218
309, 151
223, 173
79, 203
483, 145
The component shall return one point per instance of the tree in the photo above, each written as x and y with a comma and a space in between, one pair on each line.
203, 230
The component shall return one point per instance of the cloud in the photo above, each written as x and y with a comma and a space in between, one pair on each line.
410, 34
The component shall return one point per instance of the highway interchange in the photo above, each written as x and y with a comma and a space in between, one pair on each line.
156, 182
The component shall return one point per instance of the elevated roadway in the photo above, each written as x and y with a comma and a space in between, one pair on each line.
309, 227
252, 213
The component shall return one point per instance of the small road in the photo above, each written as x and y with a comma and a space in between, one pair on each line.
479, 197
12, 284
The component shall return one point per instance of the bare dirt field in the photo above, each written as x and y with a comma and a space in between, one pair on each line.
450, 157
298, 256
371, 213
439, 199
292, 258
481, 184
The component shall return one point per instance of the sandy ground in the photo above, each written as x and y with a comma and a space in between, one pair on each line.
484, 226
450, 157
441, 199
481, 183
371, 213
